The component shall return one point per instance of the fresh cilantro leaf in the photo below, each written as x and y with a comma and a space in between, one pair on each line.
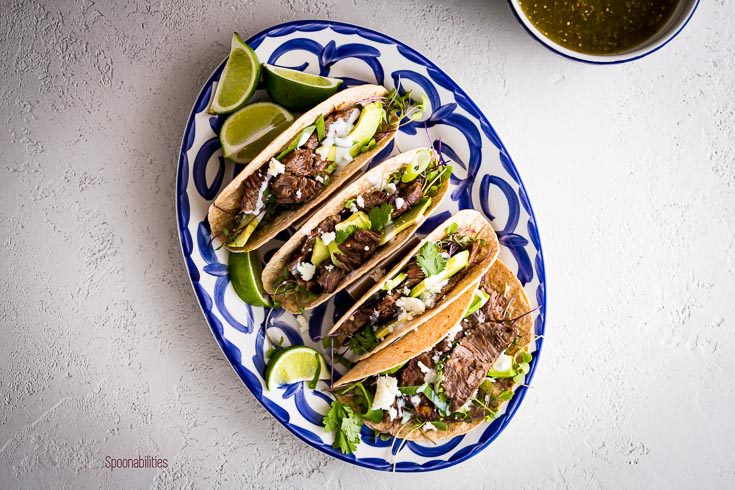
345, 424
333, 419
430, 259
320, 132
342, 235
363, 341
380, 216
439, 424
351, 425
451, 229
375, 416
506, 395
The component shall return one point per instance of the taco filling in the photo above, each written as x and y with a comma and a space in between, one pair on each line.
412, 291
343, 242
305, 166
467, 376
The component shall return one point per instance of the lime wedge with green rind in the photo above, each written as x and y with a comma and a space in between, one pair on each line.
239, 79
245, 133
294, 364
297, 90
245, 275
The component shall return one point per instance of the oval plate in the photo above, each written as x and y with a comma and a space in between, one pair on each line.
484, 178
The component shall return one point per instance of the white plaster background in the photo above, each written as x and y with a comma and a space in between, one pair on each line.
631, 170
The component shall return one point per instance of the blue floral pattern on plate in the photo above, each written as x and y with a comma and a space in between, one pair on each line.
485, 178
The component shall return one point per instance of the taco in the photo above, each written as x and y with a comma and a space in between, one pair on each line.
355, 230
303, 165
445, 378
434, 274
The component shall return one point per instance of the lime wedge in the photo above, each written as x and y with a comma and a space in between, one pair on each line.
296, 90
238, 80
245, 271
293, 364
249, 130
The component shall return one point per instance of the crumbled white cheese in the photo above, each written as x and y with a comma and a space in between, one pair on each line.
328, 237
406, 290
430, 375
374, 315
376, 180
415, 400
454, 331
480, 316
319, 179
306, 269
343, 142
339, 129
353, 208
399, 202
432, 289
275, 167
354, 115
342, 155
360, 201
429, 426
298, 194
303, 323
445, 255
329, 267
323, 151
406, 417
503, 363
366, 248
409, 307
390, 188
386, 391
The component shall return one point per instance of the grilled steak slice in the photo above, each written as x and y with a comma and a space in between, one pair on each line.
326, 225
414, 275
387, 307
471, 359
411, 374
293, 189
410, 193
361, 245
252, 199
478, 252
375, 198
312, 142
304, 162
355, 322
329, 279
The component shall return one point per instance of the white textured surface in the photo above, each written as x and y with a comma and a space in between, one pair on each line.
631, 170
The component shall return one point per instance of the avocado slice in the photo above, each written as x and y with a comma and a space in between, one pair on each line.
359, 220
405, 220
320, 253
478, 301
333, 248
502, 368
370, 118
454, 265
241, 239
394, 282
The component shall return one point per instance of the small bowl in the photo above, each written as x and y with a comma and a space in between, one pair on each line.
669, 31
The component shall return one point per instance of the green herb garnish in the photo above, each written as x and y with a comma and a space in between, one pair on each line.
380, 216
363, 341
345, 424
430, 259
341, 236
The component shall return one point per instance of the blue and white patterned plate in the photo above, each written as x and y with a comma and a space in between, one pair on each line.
484, 178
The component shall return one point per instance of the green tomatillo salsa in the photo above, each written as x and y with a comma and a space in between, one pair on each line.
599, 26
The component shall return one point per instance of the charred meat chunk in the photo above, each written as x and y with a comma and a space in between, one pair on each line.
304, 162
414, 275
375, 198
293, 189
355, 322
410, 193
252, 198
356, 249
411, 374
329, 279
331, 118
471, 359
387, 307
